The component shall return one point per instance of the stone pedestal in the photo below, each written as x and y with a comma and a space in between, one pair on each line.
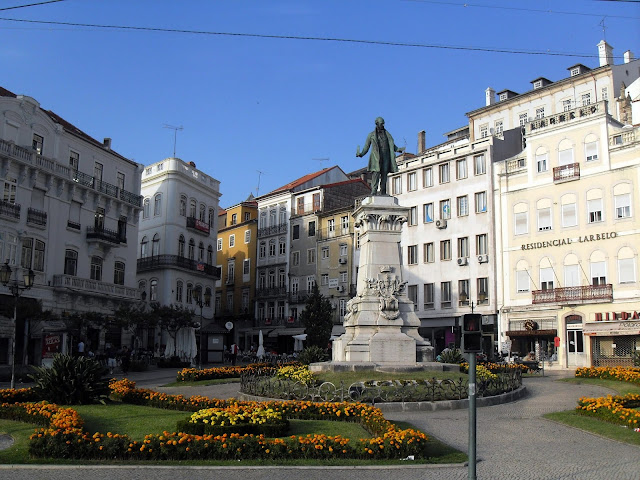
381, 325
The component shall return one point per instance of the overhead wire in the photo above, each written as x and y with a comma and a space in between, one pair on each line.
308, 38
30, 5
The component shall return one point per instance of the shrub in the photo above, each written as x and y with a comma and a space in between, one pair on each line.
296, 373
71, 381
312, 355
451, 356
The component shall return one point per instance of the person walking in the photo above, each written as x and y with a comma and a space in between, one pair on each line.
111, 359
125, 360
234, 353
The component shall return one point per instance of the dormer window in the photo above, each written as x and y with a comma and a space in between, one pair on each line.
575, 71
537, 84
503, 97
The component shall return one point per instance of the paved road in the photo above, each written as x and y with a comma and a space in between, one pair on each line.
514, 443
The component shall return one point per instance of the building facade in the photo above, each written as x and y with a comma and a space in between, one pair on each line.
176, 242
567, 216
69, 212
236, 258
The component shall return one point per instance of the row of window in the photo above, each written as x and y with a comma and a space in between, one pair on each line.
232, 240
96, 267
569, 215
462, 208
566, 155
444, 175
269, 249
189, 296
191, 251
445, 297
31, 254
234, 219
231, 270
200, 214
332, 228
573, 274
273, 216
463, 250
230, 298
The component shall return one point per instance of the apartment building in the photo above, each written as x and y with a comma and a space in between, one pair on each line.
236, 258
566, 209
177, 238
69, 213
273, 309
448, 244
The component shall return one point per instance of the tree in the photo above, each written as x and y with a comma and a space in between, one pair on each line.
317, 319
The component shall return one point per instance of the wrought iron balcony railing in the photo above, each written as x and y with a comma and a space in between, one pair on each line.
94, 286
198, 225
36, 217
271, 292
574, 295
10, 210
162, 261
104, 235
272, 230
566, 173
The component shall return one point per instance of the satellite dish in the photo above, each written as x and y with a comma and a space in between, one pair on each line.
229, 325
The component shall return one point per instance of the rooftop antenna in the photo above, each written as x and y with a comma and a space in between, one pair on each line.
604, 29
323, 159
175, 135
260, 173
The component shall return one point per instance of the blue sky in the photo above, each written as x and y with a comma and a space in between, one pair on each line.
279, 105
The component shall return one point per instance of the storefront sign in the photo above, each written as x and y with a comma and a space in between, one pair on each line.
200, 225
568, 241
51, 344
614, 316
612, 329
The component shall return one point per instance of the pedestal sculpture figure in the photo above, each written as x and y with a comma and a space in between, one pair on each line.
381, 326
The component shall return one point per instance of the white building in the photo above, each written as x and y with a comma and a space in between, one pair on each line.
567, 214
448, 242
68, 211
177, 239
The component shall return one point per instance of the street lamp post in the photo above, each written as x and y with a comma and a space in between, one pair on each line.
201, 301
16, 289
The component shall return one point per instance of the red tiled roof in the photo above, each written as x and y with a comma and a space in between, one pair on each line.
301, 180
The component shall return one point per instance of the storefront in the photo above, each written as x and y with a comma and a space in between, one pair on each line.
614, 342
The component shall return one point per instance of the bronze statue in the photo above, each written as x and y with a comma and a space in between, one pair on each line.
382, 160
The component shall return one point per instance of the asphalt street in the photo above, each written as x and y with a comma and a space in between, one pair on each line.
514, 442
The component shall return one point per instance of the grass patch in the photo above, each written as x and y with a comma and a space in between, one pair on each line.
593, 425
134, 420
19, 451
327, 427
203, 383
621, 388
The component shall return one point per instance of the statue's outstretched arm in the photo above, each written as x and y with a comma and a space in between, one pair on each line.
367, 144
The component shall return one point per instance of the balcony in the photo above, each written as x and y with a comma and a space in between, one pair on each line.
299, 296
198, 225
289, 322
29, 157
36, 217
104, 236
73, 225
566, 173
574, 295
563, 118
84, 285
10, 210
338, 231
271, 292
272, 230
167, 261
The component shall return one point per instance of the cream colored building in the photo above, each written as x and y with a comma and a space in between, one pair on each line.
567, 218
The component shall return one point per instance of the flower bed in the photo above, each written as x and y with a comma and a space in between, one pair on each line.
617, 409
624, 374
236, 419
65, 437
217, 373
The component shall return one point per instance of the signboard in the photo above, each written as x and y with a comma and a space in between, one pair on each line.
200, 267
333, 283
51, 344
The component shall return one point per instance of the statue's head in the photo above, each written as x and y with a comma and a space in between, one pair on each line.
380, 122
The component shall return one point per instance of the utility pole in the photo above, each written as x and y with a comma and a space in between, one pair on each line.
260, 173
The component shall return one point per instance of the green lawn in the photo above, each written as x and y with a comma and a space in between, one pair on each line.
203, 383
592, 424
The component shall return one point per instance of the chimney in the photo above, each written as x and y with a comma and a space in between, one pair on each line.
422, 142
605, 52
490, 96
107, 143
628, 56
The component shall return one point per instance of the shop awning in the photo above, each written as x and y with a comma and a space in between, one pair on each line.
280, 332
532, 333
611, 329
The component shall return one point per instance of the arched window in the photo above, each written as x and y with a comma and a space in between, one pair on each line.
201, 252
626, 265
179, 285
96, 268
572, 274
144, 247
210, 255
521, 219
522, 277
565, 152
203, 212
142, 287
192, 249
155, 246
207, 297
183, 205
542, 161
262, 251
145, 208
547, 275
153, 290
212, 216
157, 204
70, 262
181, 246
118, 273
189, 293
192, 208
598, 268
272, 247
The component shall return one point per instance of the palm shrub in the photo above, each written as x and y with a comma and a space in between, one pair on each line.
312, 354
453, 355
71, 381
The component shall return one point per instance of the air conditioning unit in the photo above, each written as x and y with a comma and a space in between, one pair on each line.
342, 261
340, 288
483, 258
441, 224
463, 261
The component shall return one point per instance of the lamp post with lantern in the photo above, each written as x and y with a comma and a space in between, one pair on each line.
201, 300
16, 290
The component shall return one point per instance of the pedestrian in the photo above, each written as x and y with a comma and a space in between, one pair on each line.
125, 360
111, 359
81, 348
234, 353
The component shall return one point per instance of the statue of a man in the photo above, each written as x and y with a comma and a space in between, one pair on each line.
382, 159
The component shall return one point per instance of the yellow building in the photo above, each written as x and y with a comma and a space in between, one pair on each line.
236, 256
567, 218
